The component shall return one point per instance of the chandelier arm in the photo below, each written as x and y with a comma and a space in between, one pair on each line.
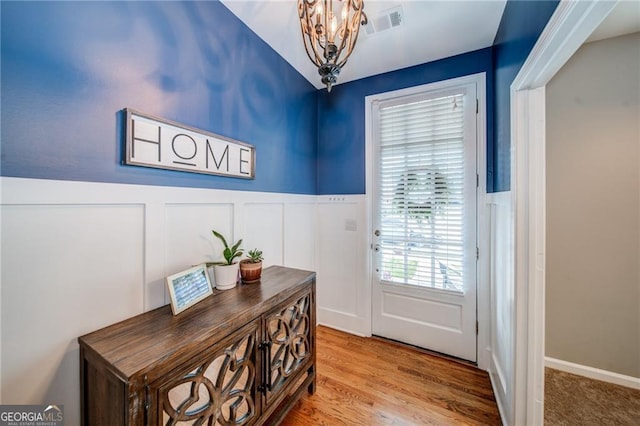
346, 40
307, 30
342, 31
311, 50
327, 11
358, 19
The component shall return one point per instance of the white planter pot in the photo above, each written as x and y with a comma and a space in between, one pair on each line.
226, 276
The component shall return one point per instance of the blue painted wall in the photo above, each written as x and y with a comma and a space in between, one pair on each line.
69, 67
341, 166
341, 127
521, 25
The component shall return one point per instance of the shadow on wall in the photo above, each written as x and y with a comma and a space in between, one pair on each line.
59, 390
67, 67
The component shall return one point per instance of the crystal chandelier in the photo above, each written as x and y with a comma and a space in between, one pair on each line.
329, 39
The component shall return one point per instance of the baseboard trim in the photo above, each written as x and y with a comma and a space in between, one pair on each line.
500, 402
593, 373
342, 321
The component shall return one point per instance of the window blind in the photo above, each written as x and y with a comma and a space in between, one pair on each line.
421, 178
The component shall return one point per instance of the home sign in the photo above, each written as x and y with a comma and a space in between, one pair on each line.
164, 144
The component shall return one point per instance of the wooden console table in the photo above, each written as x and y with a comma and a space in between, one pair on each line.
241, 356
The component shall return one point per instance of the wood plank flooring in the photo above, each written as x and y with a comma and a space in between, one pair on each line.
364, 381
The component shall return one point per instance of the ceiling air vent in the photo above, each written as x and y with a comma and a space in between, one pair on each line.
386, 20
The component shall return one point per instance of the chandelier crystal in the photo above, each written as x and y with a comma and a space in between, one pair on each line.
329, 38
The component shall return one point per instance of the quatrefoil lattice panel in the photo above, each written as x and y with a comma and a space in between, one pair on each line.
218, 392
288, 333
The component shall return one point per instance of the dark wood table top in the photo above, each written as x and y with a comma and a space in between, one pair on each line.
138, 343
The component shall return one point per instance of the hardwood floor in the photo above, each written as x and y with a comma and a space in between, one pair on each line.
374, 382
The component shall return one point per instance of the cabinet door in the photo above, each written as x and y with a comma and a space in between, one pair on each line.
218, 387
288, 336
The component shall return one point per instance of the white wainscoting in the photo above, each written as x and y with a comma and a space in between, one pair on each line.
501, 366
344, 299
77, 256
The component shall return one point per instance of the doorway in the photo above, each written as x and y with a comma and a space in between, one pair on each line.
424, 210
568, 28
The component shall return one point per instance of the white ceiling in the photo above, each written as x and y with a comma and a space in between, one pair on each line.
431, 30
623, 19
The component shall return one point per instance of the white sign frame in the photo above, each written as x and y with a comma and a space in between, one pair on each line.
164, 144
188, 287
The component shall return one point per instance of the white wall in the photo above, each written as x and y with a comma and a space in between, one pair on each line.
78, 256
593, 208
345, 301
502, 330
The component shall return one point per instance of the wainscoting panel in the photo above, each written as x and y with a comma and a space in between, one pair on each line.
501, 368
189, 240
77, 256
66, 269
300, 235
344, 301
263, 229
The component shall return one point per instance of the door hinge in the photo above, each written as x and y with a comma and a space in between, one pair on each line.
477, 180
477, 253
477, 328
477, 106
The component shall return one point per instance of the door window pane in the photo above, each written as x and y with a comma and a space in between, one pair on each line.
421, 190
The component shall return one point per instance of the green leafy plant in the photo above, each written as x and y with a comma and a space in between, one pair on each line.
255, 256
229, 253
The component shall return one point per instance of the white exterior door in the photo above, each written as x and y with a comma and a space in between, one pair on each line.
424, 216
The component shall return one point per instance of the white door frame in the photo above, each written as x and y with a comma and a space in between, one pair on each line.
569, 27
482, 290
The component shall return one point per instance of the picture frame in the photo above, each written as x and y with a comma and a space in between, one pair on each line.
188, 287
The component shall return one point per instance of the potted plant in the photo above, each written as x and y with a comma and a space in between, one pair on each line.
251, 267
226, 273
